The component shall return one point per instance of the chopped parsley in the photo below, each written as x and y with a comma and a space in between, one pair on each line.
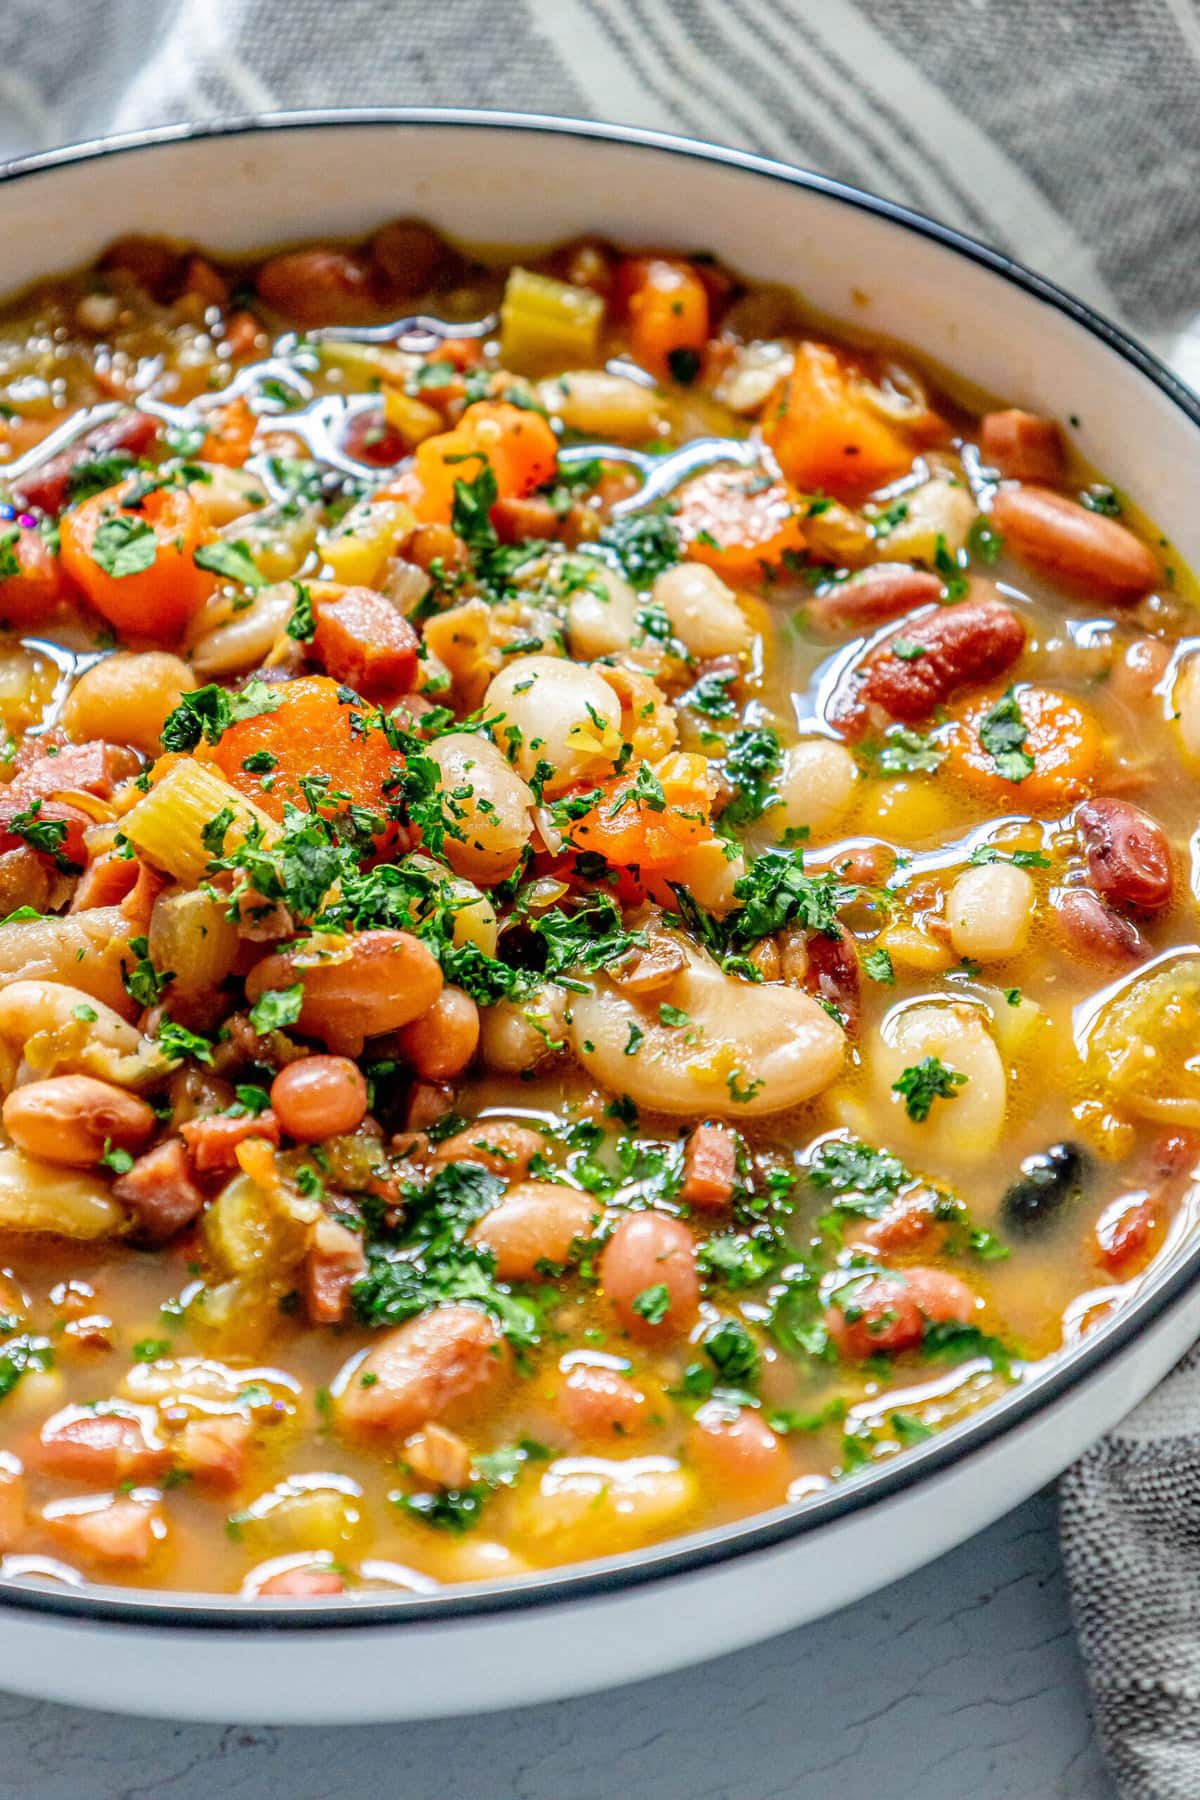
232, 559
276, 1008
923, 1083
644, 544
1002, 733
653, 1303
123, 546
209, 711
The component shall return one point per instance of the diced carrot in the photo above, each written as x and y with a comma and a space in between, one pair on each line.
737, 520
312, 732
649, 817
231, 432
1060, 735
667, 306
31, 591
519, 445
826, 436
154, 600
363, 640
709, 1168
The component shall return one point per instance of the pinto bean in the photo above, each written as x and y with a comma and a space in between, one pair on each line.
884, 591
739, 1454
160, 1192
498, 1145
961, 645
891, 1311
1024, 446
319, 1097
1081, 549
73, 1119
1095, 931
441, 1043
1128, 857
599, 1403
647, 1251
409, 255
534, 1222
440, 1363
354, 988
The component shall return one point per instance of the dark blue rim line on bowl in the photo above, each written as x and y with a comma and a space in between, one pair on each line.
688, 1556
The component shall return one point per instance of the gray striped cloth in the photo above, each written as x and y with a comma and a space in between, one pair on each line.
1066, 133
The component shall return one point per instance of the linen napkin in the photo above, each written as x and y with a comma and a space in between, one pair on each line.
1067, 135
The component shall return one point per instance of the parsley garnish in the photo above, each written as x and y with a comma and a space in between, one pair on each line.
1002, 732
211, 710
653, 1303
231, 559
276, 1008
924, 1082
124, 546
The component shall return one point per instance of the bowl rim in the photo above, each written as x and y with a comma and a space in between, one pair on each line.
760, 1533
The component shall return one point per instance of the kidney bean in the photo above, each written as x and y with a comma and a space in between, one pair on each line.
1140, 668
1092, 928
447, 1358
599, 1403
46, 487
960, 645
874, 595
319, 287
147, 261
369, 439
1128, 857
1123, 1231
1175, 1153
408, 256
1082, 549
1022, 445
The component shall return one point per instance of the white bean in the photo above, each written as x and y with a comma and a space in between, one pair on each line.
964, 1129
45, 1197
600, 405
940, 508
709, 874
489, 805
816, 786
601, 607
704, 613
515, 1035
65, 1030
227, 494
746, 1051
1187, 707
227, 642
989, 909
559, 713
592, 1506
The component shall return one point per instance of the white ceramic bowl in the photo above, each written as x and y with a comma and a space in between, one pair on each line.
515, 181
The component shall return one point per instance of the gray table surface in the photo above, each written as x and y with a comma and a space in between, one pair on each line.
961, 1680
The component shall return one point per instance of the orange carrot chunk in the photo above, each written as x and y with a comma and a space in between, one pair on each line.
667, 305
137, 563
825, 433
737, 521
